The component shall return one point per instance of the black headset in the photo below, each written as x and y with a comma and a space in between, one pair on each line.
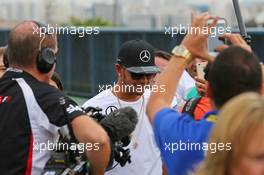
46, 57
5, 57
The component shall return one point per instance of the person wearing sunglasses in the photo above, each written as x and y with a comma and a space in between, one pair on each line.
135, 68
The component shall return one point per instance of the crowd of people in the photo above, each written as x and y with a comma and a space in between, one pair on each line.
187, 125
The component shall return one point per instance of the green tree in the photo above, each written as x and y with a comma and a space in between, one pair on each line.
90, 22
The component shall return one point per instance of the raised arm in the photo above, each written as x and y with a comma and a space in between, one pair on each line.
193, 45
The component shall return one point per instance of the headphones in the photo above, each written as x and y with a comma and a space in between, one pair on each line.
46, 57
5, 57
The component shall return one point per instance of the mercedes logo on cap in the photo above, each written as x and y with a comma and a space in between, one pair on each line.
144, 56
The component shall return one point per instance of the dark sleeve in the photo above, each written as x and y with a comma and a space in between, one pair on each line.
56, 113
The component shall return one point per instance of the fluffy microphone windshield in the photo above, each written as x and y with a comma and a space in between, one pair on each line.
120, 123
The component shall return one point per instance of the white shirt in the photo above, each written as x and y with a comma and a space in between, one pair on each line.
185, 85
145, 156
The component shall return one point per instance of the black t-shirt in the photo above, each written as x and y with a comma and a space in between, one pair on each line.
30, 116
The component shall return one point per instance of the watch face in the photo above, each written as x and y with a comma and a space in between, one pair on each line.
182, 52
180, 49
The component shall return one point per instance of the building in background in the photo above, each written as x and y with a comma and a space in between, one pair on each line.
131, 13
109, 12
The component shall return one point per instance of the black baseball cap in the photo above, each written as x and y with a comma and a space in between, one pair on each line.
137, 56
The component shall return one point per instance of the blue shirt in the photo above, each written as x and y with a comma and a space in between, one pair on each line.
181, 139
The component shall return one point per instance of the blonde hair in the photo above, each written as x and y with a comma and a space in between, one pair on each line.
239, 119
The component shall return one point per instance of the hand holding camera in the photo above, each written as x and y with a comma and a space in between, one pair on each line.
196, 42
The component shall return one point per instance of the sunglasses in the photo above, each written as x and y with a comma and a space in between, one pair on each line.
138, 76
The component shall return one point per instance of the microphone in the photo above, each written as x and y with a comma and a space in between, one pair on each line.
120, 123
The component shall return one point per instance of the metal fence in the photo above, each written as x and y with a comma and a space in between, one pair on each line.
87, 62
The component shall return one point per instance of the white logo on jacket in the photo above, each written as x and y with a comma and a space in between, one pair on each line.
72, 109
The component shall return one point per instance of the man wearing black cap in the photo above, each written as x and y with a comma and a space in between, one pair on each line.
135, 68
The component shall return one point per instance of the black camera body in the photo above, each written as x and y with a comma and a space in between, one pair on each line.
119, 153
72, 162
67, 161
59, 164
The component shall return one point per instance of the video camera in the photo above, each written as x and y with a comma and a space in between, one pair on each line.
68, 161
119, 153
